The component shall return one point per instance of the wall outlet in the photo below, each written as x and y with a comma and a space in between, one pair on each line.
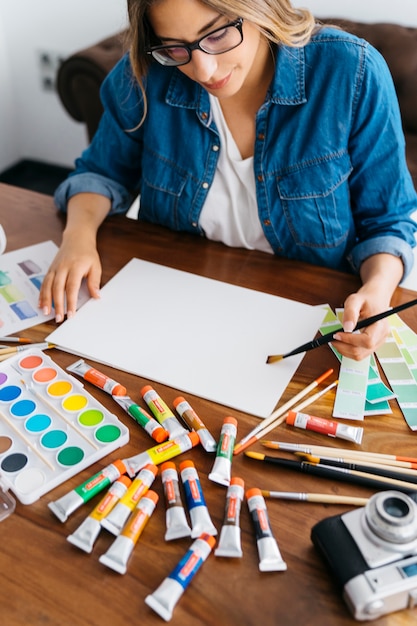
49, 63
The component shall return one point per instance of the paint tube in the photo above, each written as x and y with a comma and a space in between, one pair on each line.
229, 542
193, 421
162, 412
63, 507
162, 452
89, 373
118, 554
199, 514
176, 521
270, 558
86, 534
148, 423
116, 519
325, 426
222, 466
164, 599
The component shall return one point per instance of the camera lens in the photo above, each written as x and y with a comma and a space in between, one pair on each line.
396, 507
392, 516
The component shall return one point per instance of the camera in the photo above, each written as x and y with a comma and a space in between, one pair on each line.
372, 552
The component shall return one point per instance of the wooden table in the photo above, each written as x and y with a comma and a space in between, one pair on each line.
47, 581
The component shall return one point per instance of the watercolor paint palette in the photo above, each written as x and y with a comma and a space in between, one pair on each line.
51, 428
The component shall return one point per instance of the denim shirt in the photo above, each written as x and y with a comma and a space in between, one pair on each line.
331, 178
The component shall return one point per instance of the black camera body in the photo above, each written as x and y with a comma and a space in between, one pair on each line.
372, 552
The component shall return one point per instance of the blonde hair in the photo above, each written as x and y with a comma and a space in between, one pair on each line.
277, 20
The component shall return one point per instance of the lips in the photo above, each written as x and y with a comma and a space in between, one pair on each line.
217, 84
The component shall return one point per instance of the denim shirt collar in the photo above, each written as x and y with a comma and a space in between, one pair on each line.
287, 87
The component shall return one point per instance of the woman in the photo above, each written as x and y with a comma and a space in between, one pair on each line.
247, 123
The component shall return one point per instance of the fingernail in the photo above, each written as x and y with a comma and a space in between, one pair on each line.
45, 310
58, 318
69, 314
348, 327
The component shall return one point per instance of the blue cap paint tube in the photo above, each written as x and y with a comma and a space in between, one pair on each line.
166, 596
222, 466
193, 421
270, 558
229, 543
199, 514
87, 532
120, 551
176, 522
64, 506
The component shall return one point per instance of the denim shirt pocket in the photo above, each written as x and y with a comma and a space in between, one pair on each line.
163, 184
316, 202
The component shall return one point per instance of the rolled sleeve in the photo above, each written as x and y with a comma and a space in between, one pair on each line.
90, 182
382, 245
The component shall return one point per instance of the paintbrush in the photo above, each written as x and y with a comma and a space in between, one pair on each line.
337, 473
12, 339
344, 453
324, 339
251, 437
321, 498
44, 345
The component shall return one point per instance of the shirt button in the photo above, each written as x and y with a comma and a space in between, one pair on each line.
260, 178
261, 136
194, 224
215, 148
204, 116
205, 185
267, 222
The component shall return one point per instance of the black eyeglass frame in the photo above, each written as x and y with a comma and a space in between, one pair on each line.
195, 45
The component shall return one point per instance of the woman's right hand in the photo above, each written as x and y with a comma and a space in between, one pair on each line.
77, 257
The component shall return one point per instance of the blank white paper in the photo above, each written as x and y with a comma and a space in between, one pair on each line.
194, 334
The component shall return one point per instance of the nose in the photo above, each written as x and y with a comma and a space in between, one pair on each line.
203, 65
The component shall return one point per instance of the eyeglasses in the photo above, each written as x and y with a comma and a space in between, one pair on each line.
218, 41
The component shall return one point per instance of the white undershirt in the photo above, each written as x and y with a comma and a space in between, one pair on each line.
230, 212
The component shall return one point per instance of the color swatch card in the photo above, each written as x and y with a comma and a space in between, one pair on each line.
195, 334
400, 377
21, 275
50, 427
351, 389
377, 393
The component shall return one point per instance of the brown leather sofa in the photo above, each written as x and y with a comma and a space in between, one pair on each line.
81, 74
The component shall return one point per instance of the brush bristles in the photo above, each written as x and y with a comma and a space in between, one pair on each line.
274, 358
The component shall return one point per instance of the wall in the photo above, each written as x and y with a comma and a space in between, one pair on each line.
8, 151
401, 11
33, 123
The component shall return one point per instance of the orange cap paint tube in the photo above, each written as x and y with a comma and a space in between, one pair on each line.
222, 466
142, 417
270, 558
193, 421
164, 451
116, 519
325, 426
199, 514
176, 521
162, 412
63, 507
87, 532
164, 599
118, 554
92, 375
229, 542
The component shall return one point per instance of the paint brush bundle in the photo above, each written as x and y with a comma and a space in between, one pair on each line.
50, 427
